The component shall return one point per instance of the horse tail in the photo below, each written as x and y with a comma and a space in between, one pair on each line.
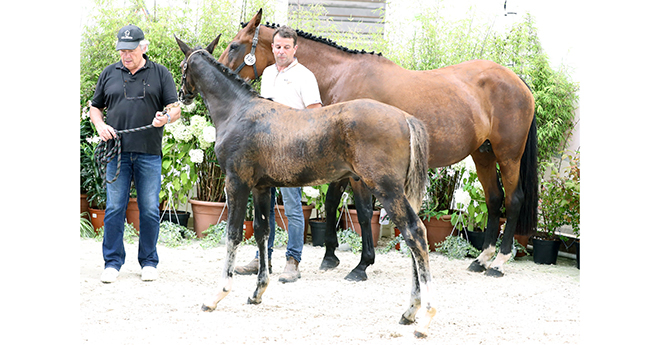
417, 174
529, 183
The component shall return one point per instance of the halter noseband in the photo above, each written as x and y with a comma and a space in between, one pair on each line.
251, 59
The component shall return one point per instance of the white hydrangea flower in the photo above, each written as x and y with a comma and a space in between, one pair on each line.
311, 192
208, 134
197, 125
196, 155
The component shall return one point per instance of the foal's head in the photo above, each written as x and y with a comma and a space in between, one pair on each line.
188, 92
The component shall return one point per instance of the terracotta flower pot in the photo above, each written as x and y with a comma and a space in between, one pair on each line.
133, 214
207, 213
248, 229
84, 205
354, 224
437, 230
97, 216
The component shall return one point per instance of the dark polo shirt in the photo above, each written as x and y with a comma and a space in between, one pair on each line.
132, 101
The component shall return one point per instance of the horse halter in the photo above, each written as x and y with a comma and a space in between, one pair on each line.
183, 73
251, 59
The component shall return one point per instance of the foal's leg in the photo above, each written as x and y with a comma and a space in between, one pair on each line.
332, 199
237, 197
362, 198
262, 230
414, 233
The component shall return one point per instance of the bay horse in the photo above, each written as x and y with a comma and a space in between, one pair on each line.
476, 108
262, 144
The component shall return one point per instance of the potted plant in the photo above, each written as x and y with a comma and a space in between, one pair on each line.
473, 215
91, 183
183, 148
248, 223
437, 204
315, 196
559, 205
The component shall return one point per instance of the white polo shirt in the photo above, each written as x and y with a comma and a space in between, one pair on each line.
295, 86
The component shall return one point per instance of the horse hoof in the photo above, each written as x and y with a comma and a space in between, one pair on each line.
329, 263
356, 276
419, 335
207, 309
494, 272
405, 321
477, 267
253, 300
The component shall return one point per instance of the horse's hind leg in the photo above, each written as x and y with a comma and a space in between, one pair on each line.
362, 198
237, 199
332, 199
414, 233
487, 173
262, 231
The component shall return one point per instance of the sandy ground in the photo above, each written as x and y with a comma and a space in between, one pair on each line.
531, 304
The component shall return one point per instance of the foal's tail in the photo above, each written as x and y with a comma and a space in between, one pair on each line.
417, 175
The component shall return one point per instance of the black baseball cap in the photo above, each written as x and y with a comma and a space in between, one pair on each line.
129, 37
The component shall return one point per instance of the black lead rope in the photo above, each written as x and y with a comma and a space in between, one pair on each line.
107, 150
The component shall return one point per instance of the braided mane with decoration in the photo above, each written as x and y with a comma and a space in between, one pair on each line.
320, 39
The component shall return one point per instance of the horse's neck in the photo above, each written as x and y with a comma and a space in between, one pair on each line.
330, 64
222, 95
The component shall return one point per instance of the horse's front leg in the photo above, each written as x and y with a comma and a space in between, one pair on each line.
237, 201
332, 199
261, 231
362, 198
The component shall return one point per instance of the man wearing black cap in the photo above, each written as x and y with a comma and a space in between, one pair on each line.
133, 92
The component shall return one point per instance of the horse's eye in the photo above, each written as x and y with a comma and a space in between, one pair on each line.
234, 46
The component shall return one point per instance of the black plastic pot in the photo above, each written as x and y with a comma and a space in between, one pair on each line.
318, 232
476, 238
176, 217
545, 251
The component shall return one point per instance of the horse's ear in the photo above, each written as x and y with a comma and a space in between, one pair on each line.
184, 47
256, 20
212, 45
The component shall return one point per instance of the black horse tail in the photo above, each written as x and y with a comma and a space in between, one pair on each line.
417, 175
529, 183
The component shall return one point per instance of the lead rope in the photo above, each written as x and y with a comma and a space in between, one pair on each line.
107, 150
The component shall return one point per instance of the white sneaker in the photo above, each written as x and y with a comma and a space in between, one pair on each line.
149, 273
109, 275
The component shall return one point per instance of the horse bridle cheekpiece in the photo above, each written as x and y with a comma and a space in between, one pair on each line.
251, 59
183, 73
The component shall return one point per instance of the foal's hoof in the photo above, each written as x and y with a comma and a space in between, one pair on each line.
253, 301
405, 321
329, 263
494, 272
356, 275
420, 335
207, 309
477, 267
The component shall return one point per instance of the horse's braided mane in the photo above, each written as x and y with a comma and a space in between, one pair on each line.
226, 70
321, 39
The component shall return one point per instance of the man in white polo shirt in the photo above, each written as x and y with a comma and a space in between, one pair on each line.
292, 84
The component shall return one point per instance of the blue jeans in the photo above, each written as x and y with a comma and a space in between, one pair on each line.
293, 210
145, 170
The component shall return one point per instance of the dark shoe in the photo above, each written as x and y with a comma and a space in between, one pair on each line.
252, 268
291, 272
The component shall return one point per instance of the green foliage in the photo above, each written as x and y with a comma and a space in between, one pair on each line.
174, 235
351, 238
440, 191
457, 247
86, 227
316, 196
475, 215
559, 198
215, 235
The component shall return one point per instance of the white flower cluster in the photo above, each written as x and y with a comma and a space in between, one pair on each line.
199, 128
196, 155
311, 192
